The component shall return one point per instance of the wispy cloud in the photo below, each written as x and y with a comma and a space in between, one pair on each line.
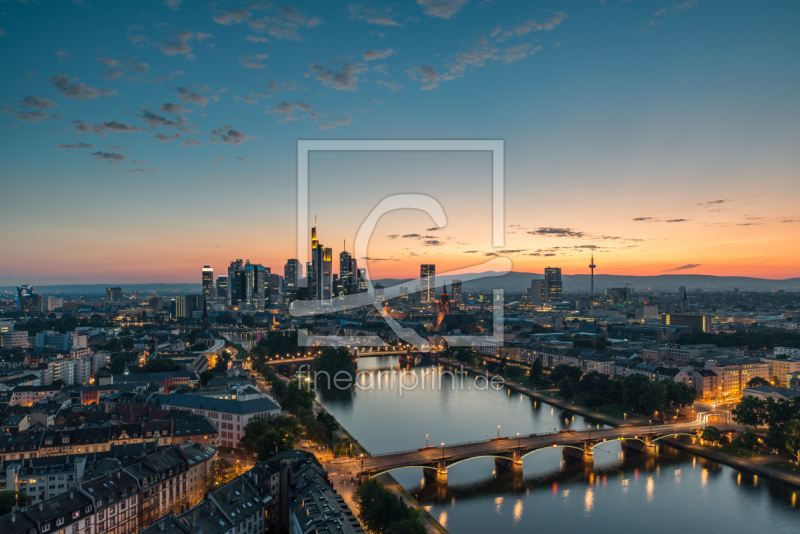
686, 267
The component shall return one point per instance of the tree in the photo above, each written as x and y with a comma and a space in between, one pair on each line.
332, 361
259, 427
272, 442
595, 401
632, 388
712, 434
791, 436
747, 440
59, 382
513, 372
295, 398
118, 364
565, 388
206, 377
161, 365
329, 422
464, 355
219, 473
536, 372
9, 499
757, 381
751, 412
199, 347
679, 394
248, 321
653, 397
563, 370
380, 511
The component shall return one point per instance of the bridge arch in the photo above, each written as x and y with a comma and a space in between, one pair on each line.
675, 434
481, 456
522, 457
403, 467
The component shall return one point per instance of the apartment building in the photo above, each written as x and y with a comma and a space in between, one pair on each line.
228, 416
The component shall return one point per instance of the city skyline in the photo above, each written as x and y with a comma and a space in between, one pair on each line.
659, 136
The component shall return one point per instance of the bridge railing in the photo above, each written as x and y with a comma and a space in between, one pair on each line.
449, 445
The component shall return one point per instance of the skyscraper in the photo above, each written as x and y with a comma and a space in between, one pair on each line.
222, 288
403, 292
345, 273
234, 294
113, 294
427, 276
26, 300
291, 274
537, 291
456, 293
592, 266
327, 275
208, 282
552, 284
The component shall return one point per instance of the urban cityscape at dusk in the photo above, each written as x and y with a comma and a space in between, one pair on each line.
437, 266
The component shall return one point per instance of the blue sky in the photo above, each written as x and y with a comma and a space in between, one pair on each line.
642, 109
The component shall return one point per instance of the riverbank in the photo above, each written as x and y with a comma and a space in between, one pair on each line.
757, 466
346, 483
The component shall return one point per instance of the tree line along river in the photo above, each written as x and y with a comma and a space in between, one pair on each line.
621, 491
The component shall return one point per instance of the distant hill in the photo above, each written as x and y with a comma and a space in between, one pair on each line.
518, 281
511, 282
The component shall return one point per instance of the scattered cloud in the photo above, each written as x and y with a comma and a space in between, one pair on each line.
174, 109
63, 56
228, 135
188, 96
105, 127
278, 87
192, 142
79, 91
164, 138
28, 116
36, 102
232, 16
76, 145
371, 55
380, 16
426, 75
557, 232
115, 68
343, 80
257, 39
108, 156
242, 159
285, 24
443, 9
327, 125
391, 86
174, 5
253, 62
155, 120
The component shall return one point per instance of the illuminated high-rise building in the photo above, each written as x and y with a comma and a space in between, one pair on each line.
403, 292
537, 292
327, 275
291, 274
456, 293
222, 288
113, 294
552, 284
427, 276
345, 273
27, 301
208, 282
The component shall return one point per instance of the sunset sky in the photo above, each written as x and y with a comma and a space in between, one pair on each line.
141, 140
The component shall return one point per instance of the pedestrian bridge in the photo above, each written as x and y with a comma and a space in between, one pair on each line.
509, 452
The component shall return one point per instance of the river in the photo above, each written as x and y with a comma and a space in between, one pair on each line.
621, 492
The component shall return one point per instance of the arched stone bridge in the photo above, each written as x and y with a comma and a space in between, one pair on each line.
510, 452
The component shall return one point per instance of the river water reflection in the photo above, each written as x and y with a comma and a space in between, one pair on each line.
621, 492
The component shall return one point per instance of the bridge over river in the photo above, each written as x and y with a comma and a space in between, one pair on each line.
509, 452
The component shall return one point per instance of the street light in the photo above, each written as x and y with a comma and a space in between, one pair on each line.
426, 440
651, 426
498, 431
518, 440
